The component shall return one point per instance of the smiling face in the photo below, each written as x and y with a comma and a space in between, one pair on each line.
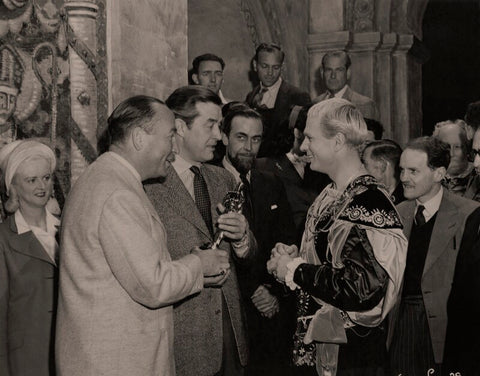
210, 74
243, 142
335, 73
268, 67
319, 149
33, 183
419, 180
159, 142
198, 140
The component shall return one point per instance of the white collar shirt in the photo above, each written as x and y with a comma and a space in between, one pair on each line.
182, 167
270, 96
229, 167
46, 238
431, 206
340, 93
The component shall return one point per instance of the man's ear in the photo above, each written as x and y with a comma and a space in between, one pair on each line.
254, 65
224, 139
181, 127
297, 134
349, 73
195, 78
137, 137
439, 174
339, 141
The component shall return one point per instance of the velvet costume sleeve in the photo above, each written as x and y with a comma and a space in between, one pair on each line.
359, 285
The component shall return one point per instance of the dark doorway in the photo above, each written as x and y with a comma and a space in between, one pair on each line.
451, 76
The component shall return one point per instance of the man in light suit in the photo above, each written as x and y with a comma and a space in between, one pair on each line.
273, 97
117, 280
335, 72
434, 222
209, 327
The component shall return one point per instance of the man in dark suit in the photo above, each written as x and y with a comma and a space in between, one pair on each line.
273, 98
335, 72
269, 309
434, 221
290, 165
209, 328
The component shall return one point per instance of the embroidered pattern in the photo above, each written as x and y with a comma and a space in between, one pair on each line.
376, 217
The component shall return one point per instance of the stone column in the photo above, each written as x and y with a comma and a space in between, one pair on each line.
407, 92
383, 82
83, 86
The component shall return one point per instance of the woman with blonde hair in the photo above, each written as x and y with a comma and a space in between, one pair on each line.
28, 262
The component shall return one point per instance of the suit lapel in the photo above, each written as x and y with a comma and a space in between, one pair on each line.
27, 244
444, 229
181, 201
288, 170
407, 216
281, 99
347, 95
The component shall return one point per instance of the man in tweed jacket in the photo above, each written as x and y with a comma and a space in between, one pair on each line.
209, 326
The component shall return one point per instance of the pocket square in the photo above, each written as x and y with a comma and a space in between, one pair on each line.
273, 207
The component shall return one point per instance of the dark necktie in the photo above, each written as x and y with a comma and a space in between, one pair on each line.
419, 218
247, 208
257, 100
202, 198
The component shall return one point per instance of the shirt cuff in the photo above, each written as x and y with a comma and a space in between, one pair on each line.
291, 267
242, 246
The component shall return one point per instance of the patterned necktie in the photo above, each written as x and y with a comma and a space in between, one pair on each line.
419, 218
247, 208
202, 198
257, 100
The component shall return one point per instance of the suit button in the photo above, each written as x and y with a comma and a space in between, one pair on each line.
218, 311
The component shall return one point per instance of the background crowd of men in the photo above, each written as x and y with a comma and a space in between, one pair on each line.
349, 255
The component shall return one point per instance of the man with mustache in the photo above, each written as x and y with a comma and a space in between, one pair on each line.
434, 222
269, 310
209, 329
273, 97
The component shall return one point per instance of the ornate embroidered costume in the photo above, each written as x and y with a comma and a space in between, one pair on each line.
355, 252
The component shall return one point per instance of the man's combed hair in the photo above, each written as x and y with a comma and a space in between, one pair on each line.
270, 48
385, 150
133, 112
235, 110
338, 115
206, 57
340, 54
183, 101
438, 152
462, 132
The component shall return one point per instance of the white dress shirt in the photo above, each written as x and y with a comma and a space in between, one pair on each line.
270, 96
46, 238
182, 167
340, 93
431, 206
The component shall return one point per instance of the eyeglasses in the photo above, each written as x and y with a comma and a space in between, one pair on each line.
473, 153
